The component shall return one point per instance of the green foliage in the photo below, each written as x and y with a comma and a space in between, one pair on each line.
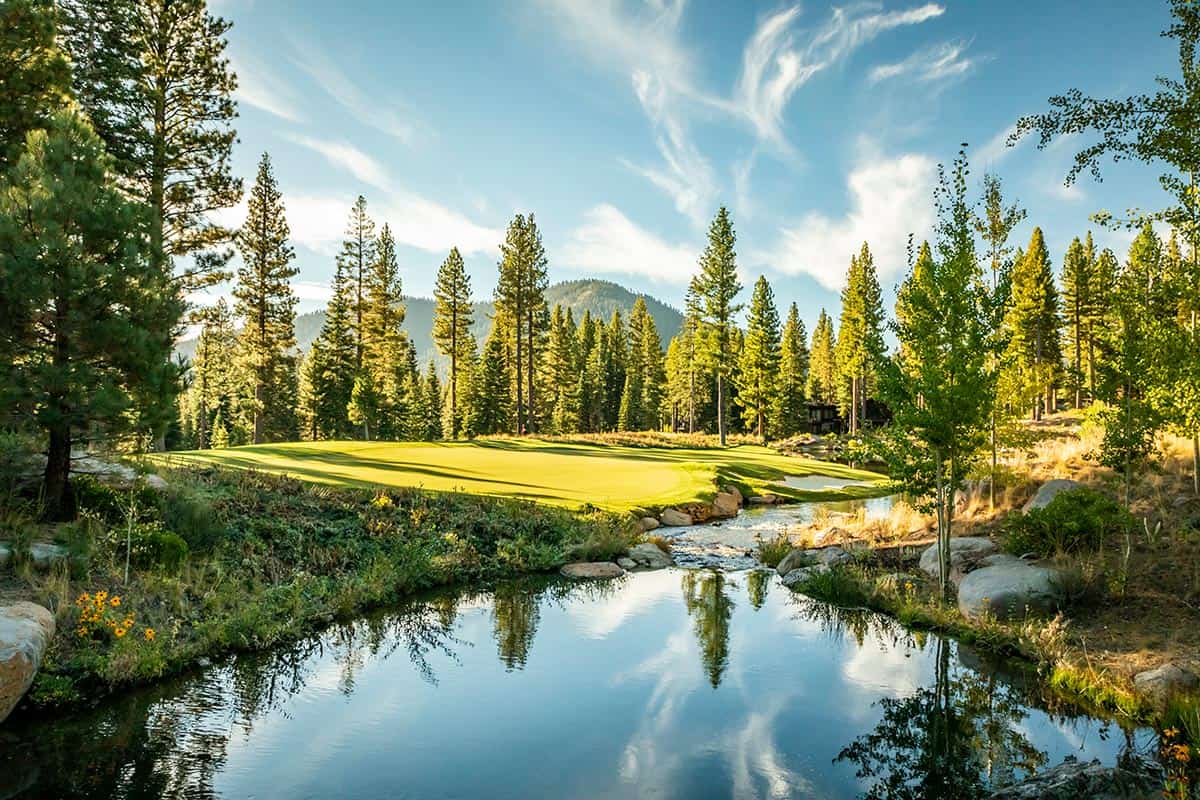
1033, 356
385, 346
150, 545
789, 412
1074, 521
36, 73
759, 366
191, 515
452, 320
822, 377
717, 287
860, 337
771, 551
521, 313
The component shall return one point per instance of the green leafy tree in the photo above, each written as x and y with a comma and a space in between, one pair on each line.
1033, 353
89, 318
452, 320
860, 337
790, 410
717, 288
37, 75
938, 386
758, 371
267, 307
822, 374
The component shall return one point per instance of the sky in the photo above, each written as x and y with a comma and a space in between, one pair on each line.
624, 124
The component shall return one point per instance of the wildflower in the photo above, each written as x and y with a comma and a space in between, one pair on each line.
116, 601
118, 632
149, 633
82, 631
1170, 733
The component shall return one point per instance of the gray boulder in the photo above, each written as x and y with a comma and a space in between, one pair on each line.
794, 560
674, 518
626, 563
897, 581
726, 504
825, 556
648, 523
1048, 491
43, 555
1161, 683
649, 556
800, 575
965, 554
1132, 779
1010, 591
765, 500
25, 631
584, 570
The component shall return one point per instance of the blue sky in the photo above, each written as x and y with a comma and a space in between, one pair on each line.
624, 124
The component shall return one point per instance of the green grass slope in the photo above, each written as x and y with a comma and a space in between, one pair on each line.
563, 474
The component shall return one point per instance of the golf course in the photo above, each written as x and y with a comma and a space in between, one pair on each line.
570, 475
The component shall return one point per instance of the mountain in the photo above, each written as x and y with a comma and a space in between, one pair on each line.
601, 298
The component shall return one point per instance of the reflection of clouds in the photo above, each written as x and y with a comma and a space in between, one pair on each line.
883, 669
753, 752
596, 620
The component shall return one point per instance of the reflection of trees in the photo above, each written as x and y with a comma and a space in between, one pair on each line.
945, 740
710, 608
758, 582
515, 615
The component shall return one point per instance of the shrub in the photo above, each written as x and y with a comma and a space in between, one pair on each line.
1072, 522
194, 519
772, 551
149, 546
111, 504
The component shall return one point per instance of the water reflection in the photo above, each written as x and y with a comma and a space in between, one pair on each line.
659, 698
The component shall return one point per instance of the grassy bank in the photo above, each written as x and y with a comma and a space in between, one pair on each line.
229, 560
614, 475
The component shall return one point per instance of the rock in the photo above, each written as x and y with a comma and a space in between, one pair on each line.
648, 523
626, 563
582, 570
1048, 491
801, 575
965, 554
649, 556
726, 505
1009, 591
897, 581
25, 631
824, 556
831, 556
765, 500
43, 555
1163, 682
736, 492
155, 482
794, 560
1132, 778
998, 560
203, 663
674, 518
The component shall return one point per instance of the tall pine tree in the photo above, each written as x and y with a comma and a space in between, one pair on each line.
822, 374
860, 336
758, 372
1034, 352
452, 320
789, 415
717, 288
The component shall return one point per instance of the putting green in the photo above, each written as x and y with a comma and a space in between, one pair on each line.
612, 477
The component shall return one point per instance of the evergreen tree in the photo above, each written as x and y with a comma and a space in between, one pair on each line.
212, 385
860, 337
589, 347
822, 375
330, 368
381, 338
643, 362
790, 411
365, 409
521, 310
357, 257
758, 372
452, 320
654, 373
37, 75
153, 76
489, 410
1034, 353
561, 378
89, 320
613, 367
1077, 277
267, 307
718, 287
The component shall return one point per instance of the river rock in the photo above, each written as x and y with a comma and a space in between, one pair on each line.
736, 492
824, 556
800, 575
965, 554
626, 563
1009, 591
25, 631
1048, 491
765, 500
726, 505
1163, 682
582, 570
797, 558
648, 523
649, 556
1132, 779
42, 555
674, 518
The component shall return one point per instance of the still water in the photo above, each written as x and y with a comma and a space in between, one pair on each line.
669, 684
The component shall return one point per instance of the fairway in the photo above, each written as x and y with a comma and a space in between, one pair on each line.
612, 477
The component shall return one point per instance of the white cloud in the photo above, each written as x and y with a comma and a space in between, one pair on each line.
608, 242
889, 198
259, 88
347, 157
939, 62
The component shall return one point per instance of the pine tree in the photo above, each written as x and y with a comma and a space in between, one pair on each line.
489, 410
613, 368
212, 386
718, 287
631, 414
758, 370
434, 401
1077, 278
561, 379
452, 320
789, 415
89, 319
654, 374
37, 75
384, 345
154, 77
267, 307
1034, 353
860, 337
589, 345
521, 310
330, 366
822, 375
357, 258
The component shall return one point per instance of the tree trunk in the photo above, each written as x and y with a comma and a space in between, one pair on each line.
992, 479
530, 417
1196, 463
721, 407
520, 420
454, 371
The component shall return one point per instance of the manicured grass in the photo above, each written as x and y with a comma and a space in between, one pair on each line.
567, 474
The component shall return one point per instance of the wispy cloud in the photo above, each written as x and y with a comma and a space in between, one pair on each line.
609, 242
938, 62
258, 87
376, 112
889, 198
348, 157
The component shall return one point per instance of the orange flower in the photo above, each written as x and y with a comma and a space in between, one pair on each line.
116, 601
118, 632
149, 632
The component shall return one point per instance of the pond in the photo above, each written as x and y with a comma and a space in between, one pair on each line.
670, 684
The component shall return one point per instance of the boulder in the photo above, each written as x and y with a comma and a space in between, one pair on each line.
1048, 491
1010, 591
726, 505
965, 554
43, 555
736, 492
824, 556
1132, 778
582, 570
799, 557
765, 500
674, 518
649, 556
1161, 683
898, 581
25, 631
648, 523
626, 563
801, 575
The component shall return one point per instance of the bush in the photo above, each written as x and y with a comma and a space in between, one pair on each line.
194, 519
1072, 522
149, 546
111, 504
772, 551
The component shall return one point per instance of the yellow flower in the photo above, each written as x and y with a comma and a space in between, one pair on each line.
1171, 733
101, 596
116, 601
149, 634
118, 632
82, 631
